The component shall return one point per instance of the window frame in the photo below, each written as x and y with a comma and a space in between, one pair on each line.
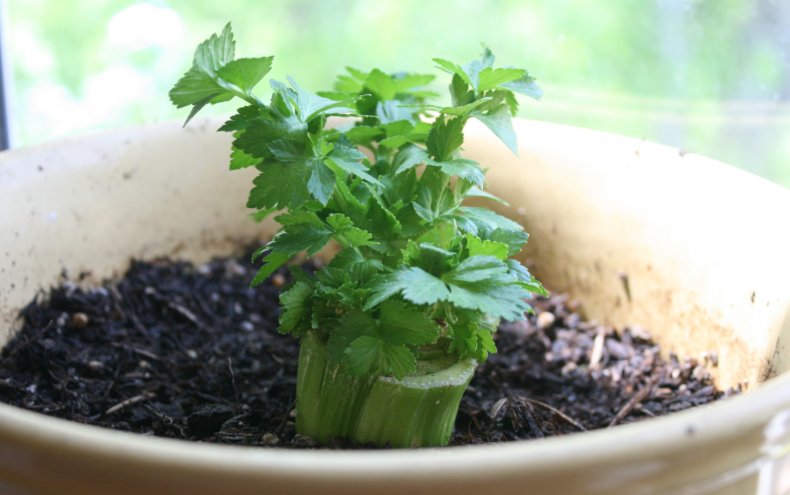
5, 133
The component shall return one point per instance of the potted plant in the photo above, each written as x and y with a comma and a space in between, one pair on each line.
392, 329
669, 250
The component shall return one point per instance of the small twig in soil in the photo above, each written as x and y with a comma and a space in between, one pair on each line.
644, 410
136, 350
229, 422
130, 402
189, 315
597, 350
498, 405
164, 417
118, 303
29, 341
557, 412
210, 398
631, 404
286, 417
233, 381
626, 285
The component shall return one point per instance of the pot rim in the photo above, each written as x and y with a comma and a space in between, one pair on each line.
734, 415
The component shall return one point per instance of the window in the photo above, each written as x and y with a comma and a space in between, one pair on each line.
707, 76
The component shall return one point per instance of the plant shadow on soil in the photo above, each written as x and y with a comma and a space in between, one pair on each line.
192, 352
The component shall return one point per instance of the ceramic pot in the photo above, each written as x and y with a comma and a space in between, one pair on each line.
694, 250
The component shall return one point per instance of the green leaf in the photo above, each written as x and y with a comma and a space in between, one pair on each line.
461, 92
198, 106
362, 272
200, 85
464, 338
456, 69
261, 215
500, 123
399, 190
479, 247
382, 222
487, 57
526, 85
357, 74
398, 128
321, 184
352, 84
398, 360
485, 219
409, 157
269, 130
509, 98
349, 203
240, 159
296, 217
194, 88
485, 344
477, 269
216, 51
363, 355
279, 186
381, 85
429, 257
403, 324
434, 198
394, 141
466, 287
368, 354
446, 136
363, 134
525, 278
352, 325
271, 262
330, 279
309, 105
490, 78
350, 160
294, 239
469, 170
241, 119
496, 300
405, 82
441, 234
346, 233
246, 73
420, 132
513, 239
473, 68
286, 150
464, 110
393, 111
416, 285
294, 306
476, 192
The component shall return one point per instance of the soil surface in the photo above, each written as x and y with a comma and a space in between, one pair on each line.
188, 352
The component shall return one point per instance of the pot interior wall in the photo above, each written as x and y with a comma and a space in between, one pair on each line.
640, 233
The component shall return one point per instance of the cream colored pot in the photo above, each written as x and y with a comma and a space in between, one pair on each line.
705, 250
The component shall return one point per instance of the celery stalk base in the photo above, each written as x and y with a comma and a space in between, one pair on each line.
416, 411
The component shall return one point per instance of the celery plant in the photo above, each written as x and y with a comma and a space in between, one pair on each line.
392, 328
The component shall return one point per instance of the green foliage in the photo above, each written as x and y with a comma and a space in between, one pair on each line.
416, 268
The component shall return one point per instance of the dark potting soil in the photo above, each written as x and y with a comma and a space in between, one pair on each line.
189, 352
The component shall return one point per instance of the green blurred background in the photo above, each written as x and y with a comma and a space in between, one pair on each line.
708, 76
